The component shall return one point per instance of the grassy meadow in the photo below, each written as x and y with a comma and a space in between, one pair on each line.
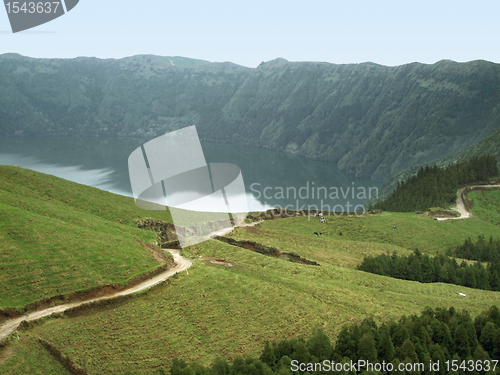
216, 309
486, 205
324, 250
234, 308
413, 231
59, 237
26, 355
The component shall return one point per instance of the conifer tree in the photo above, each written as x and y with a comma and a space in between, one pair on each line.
471, 334
494, 315
178, 367
480, 354
346, 345
221, 367
385, 347
407, 351
437, 335
267, 355
238, 365
366, 348
427, 266
415, 270
488, 336
438, 355
319, 345
300, 352
401, 334
461, 341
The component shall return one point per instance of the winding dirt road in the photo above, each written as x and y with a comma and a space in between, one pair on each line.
460, 208
181, 264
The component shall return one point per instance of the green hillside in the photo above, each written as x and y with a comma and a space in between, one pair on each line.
59, 237
230, 310
217, 308
413, 232
490, 145
486, 205
439, 336
437, 187
373, 121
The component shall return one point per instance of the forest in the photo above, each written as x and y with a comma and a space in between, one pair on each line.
433, 186
444, 268
481, 250
453, 338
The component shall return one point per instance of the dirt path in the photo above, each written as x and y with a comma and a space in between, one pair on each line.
181, 264
460, 208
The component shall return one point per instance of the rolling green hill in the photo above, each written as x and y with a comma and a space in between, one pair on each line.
217, 308
58, 237
372, 120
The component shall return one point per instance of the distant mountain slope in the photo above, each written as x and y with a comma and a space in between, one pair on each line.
490, 145
437, 187
373, 121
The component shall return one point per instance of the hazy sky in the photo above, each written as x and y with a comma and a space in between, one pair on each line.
248, 32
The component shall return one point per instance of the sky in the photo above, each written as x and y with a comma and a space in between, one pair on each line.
249, 32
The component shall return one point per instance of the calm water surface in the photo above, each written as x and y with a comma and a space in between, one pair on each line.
271, 177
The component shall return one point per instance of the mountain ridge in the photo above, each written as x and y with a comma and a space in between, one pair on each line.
371, 120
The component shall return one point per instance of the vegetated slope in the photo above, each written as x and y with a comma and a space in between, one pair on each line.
444, 337
486, 205
435, 186
58, 237
482, 250
27, 355
490, 145
442, 269
232, 308
426, 269
328, 248
373, 121
413, 232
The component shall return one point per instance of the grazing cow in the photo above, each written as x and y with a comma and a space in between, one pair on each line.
316, 233
322, 220
394, 228
340, 234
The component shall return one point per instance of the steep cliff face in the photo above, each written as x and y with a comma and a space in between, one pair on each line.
373, 121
